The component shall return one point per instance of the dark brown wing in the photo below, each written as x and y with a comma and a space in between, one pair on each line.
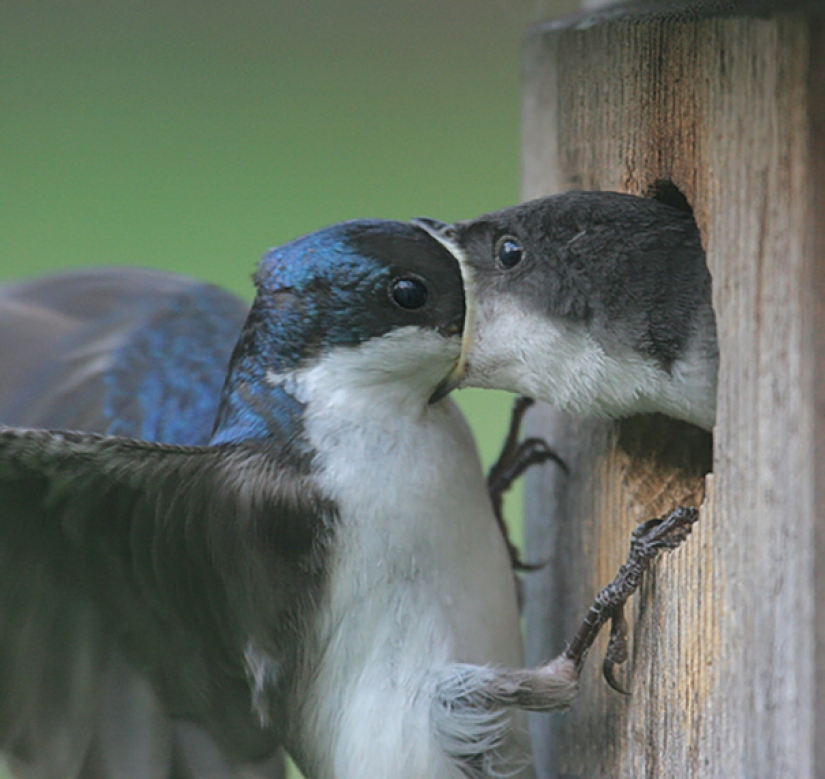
167, 560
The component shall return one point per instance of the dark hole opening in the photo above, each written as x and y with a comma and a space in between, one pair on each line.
677, 446
665, 191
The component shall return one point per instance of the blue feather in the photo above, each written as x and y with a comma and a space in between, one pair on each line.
123, 351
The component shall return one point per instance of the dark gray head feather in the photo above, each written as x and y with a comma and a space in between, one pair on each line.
632, 270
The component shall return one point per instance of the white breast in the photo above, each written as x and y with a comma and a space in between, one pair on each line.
420, 579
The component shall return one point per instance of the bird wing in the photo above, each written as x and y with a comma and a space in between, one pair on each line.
143, 354
127, 351
174, 561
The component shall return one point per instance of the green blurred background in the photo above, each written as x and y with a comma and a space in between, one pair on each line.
191, 135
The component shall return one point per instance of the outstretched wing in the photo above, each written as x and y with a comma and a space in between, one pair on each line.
127, 351
142, 354
178, 559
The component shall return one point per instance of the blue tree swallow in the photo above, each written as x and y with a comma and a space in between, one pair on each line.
597, 302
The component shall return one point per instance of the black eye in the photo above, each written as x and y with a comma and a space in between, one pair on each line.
509, 252
409, 293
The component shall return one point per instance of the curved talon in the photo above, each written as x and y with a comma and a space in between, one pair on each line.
617, 644
519, 565
607, 671
647, 541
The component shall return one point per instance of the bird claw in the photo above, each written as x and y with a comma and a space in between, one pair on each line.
617, 652
647, 541
607, 671
515, 458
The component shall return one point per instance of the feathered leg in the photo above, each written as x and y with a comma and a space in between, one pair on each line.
471, 701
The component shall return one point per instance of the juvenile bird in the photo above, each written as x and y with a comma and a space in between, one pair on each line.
598, 303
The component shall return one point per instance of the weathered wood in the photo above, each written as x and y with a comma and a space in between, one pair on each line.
727, 102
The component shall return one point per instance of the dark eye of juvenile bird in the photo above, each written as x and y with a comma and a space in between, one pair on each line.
409, 293
509, 252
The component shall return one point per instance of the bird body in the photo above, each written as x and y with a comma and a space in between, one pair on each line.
415, 585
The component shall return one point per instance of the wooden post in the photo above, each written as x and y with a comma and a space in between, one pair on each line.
725, 104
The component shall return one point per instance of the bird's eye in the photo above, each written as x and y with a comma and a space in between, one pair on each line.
409, 293
509, 252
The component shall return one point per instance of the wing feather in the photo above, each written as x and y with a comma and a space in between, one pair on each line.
128, 351
138, 353
180, 554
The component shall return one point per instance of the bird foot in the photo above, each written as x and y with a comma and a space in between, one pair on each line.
515, 458
647, 541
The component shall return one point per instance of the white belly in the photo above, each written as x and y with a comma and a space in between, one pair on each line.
420, 579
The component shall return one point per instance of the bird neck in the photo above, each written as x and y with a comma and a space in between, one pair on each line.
273, 339
253, 407
271, 389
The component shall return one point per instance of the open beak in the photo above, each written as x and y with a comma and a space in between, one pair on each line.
445, 235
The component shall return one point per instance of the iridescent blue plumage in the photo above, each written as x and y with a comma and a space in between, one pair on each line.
165, 385
128, 352
318, 290
325, 290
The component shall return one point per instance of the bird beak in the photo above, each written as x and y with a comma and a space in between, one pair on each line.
446, 386
445, 235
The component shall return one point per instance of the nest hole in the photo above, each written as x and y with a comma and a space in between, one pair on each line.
665, 191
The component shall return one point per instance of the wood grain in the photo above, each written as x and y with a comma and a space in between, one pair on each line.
727, 101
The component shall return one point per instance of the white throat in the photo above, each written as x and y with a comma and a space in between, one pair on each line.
531, 354
399, 369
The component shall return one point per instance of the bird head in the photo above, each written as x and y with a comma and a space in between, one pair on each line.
374, 303
597, 302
